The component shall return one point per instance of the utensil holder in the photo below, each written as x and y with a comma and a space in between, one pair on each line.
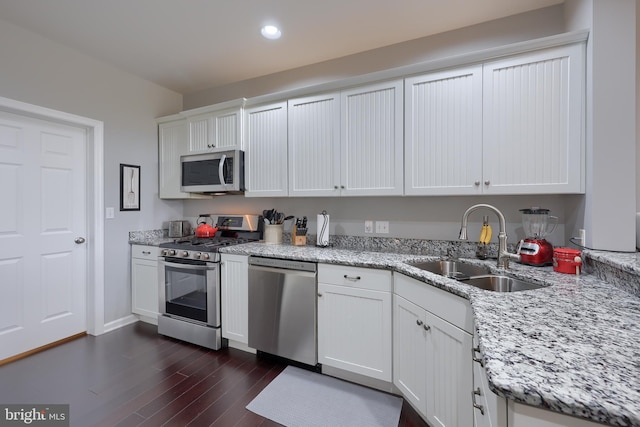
273, 234
297, 240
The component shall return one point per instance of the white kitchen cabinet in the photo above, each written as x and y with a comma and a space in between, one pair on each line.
172, 143
216, 127
490, 410
371, 143
432, 352
145, 282
314, 145
347, 143
234, 277
354, 320
266, 151
443, 132
533, 122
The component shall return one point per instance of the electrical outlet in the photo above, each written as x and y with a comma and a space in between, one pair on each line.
582, 235
382, 227
109, 214
368, 226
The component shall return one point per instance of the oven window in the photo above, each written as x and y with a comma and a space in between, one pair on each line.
186, 293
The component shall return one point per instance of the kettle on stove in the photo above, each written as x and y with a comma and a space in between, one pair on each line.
535, 249
204, 229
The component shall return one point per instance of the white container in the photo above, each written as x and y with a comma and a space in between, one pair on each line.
273, 234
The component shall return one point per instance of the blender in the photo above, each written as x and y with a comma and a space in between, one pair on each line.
537, 224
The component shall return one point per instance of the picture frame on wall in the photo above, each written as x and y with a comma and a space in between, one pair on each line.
129, 187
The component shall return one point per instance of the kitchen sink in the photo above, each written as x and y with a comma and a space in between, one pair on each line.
497, 283
452, 269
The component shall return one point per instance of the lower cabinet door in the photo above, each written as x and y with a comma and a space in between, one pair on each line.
449, 374
234, 279
354, 330
144, 289
410, 352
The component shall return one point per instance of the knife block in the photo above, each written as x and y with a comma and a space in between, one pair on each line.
297, 240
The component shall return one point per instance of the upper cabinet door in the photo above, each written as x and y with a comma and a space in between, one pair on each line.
314, 145
217, 130
266, 151
443, 132
533, 122
372, 140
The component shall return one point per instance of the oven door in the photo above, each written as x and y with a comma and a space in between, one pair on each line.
190, 290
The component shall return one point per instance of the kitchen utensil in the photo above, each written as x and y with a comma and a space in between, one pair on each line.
131, 198
537, 224
204, 229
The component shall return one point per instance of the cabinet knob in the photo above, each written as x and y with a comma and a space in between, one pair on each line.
319, 294
335, 187
419, 322
477, 183
426, 327
342, 187
487, 182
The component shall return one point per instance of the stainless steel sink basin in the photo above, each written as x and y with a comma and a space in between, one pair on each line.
452, 269
500, 283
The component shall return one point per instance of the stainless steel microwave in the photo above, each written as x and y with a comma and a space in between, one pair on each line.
215, 172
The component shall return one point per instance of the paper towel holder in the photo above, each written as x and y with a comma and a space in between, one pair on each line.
322, 224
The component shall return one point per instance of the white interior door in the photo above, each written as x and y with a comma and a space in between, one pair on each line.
43, 258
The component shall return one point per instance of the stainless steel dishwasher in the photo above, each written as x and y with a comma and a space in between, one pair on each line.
282, 308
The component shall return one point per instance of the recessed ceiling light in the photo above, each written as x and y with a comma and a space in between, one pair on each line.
271, 32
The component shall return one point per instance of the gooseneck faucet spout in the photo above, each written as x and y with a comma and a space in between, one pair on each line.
503, 255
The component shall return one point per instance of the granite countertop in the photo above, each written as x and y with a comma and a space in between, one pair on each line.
571, 347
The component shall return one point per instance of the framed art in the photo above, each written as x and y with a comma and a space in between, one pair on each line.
129, 187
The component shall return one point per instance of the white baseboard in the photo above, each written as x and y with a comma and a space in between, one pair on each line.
241, 346
119, 323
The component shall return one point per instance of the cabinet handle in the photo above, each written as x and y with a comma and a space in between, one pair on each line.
475, 350
473, 397
146, 253
319, 294
352, 277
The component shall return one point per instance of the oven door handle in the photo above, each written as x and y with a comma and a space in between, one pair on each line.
209, 266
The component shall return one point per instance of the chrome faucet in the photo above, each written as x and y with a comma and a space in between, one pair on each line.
503, 255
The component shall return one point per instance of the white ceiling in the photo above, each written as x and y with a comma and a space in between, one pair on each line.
189, 45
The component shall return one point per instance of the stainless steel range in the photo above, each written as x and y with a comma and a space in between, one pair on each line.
189, 273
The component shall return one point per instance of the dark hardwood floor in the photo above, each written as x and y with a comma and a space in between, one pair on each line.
134, 377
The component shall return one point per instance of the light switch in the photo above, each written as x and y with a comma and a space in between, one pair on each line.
109, 214
368, 226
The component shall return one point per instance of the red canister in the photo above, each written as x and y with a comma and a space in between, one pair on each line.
567, 260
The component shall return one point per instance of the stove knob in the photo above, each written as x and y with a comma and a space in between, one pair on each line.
205, 256
185, 254
172, 252
164, 252
197, 255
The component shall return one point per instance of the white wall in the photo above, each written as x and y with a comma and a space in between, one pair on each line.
38, 71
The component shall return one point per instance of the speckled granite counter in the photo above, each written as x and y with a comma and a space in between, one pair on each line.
572, 347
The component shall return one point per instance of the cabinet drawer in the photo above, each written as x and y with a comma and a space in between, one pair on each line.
355, 277
454, 309
145, 252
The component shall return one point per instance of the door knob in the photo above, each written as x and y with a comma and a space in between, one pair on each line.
79, 240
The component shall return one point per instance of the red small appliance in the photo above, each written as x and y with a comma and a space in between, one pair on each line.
535, 249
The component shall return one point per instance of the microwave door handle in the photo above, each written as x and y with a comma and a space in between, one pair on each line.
221, 169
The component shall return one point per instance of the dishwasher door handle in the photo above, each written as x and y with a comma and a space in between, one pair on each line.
282, 271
